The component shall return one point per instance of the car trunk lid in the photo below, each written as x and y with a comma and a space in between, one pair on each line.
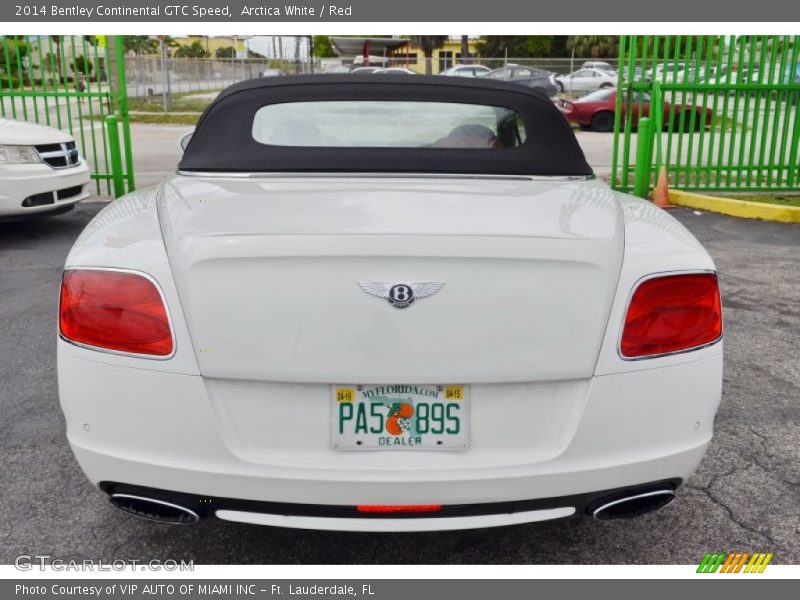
268, 272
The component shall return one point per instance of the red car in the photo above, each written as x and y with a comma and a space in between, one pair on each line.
595, 111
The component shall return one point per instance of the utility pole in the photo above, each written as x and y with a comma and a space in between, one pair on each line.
166, 92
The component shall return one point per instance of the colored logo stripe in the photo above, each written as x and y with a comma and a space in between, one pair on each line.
734, 562
758, 563
711, 562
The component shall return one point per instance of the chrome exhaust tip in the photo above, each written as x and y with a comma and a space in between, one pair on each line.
632, 505
154, 510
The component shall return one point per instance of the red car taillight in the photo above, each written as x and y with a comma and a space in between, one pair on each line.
672, 313
114, 310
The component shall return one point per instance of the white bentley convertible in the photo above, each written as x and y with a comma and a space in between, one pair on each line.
387, 305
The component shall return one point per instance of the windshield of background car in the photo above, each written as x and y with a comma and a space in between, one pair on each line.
499, 74
387, 124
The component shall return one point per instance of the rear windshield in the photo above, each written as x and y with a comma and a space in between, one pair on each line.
387, 124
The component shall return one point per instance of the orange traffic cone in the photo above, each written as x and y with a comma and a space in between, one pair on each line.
661, 192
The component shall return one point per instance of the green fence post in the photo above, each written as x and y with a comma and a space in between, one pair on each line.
117, 174
644, 140
122, 91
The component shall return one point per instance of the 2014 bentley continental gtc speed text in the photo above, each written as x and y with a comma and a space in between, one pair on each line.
389, 305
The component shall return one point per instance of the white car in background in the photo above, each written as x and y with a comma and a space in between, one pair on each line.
390, 304
666, 72
41, 170
586, 80
598, 64
394, 71
466, 71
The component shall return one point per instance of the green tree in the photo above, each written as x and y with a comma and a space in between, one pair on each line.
225, 52
518, 46
428, 43
80, 64
140, 44
12, 69
193, 50
323, 47
594, 46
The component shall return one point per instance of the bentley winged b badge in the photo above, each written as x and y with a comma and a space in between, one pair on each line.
401, 294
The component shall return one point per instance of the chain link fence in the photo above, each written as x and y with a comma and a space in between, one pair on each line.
147, 75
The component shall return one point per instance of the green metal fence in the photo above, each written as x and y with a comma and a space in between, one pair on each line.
73, 83
720, 113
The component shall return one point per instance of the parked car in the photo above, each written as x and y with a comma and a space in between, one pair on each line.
421, 312
664, 71
365, 70
531, 77
395, 71
596, 111
466, 71
586, 80
337, 70
41, 170
598, 64
374, 60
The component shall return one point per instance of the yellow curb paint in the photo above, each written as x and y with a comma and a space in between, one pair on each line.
736, 208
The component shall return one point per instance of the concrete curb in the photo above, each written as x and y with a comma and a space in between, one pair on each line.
736, 208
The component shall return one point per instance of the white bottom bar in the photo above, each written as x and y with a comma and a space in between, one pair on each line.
395, 525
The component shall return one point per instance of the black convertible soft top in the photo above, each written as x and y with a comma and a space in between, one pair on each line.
223, 140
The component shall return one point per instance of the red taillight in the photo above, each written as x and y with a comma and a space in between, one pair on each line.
398, 508
114, 310
672, 313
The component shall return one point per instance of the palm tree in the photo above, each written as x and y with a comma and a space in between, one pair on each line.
465, 49
57, 39
428, 43
594, 46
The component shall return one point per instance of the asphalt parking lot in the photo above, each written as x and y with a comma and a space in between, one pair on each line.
744, 497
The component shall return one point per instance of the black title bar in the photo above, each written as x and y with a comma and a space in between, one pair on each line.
498, 11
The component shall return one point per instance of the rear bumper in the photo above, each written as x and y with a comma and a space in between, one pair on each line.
573, 116
176, 432
344, 517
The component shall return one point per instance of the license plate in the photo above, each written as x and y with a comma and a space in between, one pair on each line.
400, 417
